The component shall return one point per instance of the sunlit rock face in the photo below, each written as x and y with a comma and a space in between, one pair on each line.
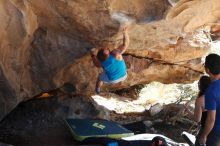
45, 43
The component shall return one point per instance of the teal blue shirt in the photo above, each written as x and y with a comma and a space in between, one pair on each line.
115, 69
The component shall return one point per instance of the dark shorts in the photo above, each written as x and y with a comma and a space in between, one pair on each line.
213, 139
198, 137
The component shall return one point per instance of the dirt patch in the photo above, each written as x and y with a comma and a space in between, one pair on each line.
35, 123
172, 131
132, 92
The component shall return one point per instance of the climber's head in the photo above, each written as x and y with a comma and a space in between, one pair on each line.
103, 54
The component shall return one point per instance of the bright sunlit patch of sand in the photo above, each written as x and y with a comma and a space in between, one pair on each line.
149, 95
118, 104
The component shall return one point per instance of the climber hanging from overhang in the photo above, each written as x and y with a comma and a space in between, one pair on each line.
112, 62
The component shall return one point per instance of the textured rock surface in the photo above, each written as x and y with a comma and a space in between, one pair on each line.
43, 43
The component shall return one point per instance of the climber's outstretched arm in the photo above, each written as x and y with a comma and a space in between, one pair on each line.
122, 48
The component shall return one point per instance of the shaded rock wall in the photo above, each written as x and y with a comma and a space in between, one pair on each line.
43, 43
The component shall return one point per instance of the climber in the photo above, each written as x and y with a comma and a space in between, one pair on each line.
112, 62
